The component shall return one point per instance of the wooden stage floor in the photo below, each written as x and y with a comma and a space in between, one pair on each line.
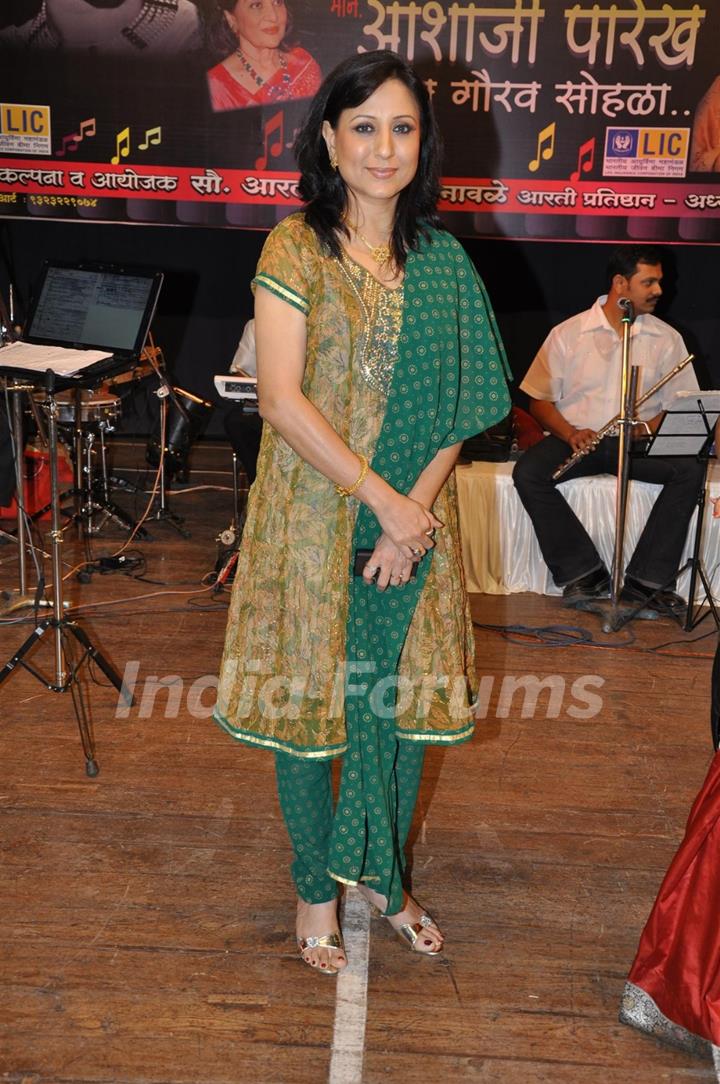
147, 914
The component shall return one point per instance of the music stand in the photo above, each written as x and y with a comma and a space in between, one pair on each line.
687, 430
97, 307
67, 635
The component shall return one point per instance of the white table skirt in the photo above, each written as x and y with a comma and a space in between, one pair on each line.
500, 549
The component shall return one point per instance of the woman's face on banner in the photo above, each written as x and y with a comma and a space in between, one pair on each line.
260, 23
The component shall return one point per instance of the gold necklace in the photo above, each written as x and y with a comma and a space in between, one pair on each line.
380, 253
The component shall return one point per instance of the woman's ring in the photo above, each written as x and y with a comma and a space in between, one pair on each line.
430, 533
417, 553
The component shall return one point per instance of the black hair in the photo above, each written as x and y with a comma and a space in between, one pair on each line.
624, 260
322, 188
219, 38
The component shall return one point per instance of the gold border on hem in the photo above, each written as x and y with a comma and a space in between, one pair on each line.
268, 743
428, 738
440, 739
342, 880
353, 884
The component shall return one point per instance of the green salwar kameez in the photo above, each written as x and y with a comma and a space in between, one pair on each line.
318, 663
305, 794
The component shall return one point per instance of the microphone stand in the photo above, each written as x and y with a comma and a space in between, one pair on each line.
628, 395
615, 617
165, 393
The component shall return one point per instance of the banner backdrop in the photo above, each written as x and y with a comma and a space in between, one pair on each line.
562, 120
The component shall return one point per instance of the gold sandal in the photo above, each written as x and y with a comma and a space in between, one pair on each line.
329, 941
409, 934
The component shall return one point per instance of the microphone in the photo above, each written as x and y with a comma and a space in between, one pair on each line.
628, 308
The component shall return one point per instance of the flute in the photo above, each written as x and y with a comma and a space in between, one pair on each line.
612, 424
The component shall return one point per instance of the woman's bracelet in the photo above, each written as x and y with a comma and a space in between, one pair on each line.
347, 491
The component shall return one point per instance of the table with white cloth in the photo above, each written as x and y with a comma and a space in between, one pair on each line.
500, 549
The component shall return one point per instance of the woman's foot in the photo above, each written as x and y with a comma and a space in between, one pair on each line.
318, 936
412, 924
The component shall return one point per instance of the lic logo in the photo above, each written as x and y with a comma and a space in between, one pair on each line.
623, 143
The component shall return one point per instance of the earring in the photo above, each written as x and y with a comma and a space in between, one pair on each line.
333, 160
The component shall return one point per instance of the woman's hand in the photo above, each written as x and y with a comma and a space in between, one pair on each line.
407, 524
387, 565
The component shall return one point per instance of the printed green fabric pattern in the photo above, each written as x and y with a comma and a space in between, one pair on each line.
449, 383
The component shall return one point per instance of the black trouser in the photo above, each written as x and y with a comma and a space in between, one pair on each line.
568, 550
244, 430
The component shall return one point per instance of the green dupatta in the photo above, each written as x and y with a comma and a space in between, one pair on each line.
449, 383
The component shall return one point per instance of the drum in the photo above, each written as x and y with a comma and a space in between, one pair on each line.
98, 409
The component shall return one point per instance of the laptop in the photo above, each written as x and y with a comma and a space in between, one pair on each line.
93, 306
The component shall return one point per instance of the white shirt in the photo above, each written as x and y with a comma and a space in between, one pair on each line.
244, 360
579, 367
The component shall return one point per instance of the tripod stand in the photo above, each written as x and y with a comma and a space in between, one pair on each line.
71, 644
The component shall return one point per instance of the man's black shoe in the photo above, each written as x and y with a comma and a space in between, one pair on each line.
595, 584
656, 603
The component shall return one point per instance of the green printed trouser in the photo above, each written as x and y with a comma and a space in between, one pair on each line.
305, 793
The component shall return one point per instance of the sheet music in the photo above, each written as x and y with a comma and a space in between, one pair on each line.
61, 359
683, 429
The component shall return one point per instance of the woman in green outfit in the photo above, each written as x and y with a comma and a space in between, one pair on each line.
349, 632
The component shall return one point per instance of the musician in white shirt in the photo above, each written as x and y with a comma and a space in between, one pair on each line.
574, 389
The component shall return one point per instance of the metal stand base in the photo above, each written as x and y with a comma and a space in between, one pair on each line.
69, 635
164, 515
71, 645
89, 505
693, 616
616, 617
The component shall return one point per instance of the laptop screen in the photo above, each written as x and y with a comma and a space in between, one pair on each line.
96, 306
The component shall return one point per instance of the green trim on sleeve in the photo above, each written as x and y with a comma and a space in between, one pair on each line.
282, 291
